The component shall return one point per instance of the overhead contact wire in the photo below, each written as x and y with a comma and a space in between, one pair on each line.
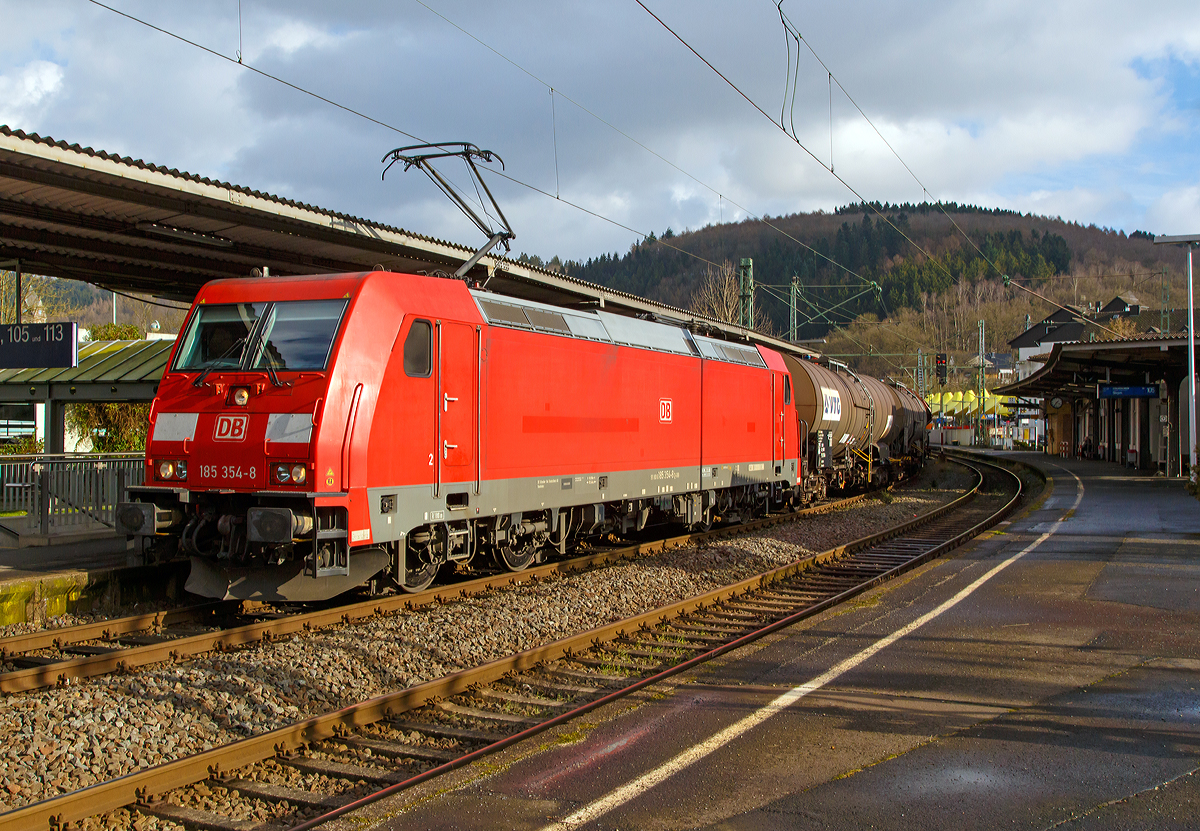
242, 63
797, 142
630, 138
925, 190
257, 71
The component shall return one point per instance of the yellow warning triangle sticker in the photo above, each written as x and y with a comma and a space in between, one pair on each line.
329, 472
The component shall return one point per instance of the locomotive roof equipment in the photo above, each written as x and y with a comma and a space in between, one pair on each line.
468, 153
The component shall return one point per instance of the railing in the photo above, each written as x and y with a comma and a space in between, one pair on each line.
69, 491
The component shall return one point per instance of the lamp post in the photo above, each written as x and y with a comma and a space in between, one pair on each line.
1191, 241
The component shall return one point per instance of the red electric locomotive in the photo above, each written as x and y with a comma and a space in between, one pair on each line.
312, 434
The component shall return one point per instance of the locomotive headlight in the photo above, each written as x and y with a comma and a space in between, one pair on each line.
241, 396
282, 474
181, 470
166, 470
299, 474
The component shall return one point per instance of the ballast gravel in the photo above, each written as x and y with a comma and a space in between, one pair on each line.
60, 740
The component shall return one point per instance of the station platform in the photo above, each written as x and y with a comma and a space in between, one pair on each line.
1046, 675
79, 577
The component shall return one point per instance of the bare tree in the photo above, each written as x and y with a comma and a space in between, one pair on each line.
718, 296
42, 299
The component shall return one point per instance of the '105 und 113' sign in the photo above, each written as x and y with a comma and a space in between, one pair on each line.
30, 345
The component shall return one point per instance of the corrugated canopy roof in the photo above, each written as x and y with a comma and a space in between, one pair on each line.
121, 370
78, 213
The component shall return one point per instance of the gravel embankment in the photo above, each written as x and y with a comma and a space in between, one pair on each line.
58, 740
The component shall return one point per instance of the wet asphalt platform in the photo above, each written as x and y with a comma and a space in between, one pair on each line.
1046, 676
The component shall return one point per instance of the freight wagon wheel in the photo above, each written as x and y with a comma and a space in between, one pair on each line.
515, 557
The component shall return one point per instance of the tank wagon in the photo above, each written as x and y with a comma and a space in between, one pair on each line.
314, 434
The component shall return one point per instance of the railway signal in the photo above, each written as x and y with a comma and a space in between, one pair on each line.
941, 367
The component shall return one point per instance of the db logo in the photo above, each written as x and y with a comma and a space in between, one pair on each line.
664, 410
231, 428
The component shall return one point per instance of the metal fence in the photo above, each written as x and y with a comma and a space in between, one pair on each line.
66, 492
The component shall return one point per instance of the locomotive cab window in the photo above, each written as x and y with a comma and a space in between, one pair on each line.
298, 334
787, 390
217, 336
293, 334
418, 350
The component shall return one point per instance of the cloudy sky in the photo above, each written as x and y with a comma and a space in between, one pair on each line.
1085, 110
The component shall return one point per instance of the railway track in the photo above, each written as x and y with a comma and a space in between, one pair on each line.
56, 657
311, 771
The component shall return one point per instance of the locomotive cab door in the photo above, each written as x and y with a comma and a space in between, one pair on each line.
777, 425
457, 362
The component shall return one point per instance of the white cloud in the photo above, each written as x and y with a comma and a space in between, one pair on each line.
1175, 212
289, 37
26, 90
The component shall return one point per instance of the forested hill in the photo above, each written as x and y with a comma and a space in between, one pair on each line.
919, 257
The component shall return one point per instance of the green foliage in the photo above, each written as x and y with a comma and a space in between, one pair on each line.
42, 298
27, 446
114, 331
117, 427
113, 428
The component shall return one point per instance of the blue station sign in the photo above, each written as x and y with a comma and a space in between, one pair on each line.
36, 345
1111, 391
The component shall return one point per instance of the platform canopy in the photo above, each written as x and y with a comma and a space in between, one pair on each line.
122, 370
74, 212
1077, 367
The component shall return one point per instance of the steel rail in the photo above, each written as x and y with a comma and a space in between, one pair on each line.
144, 785
15, 645
774, 626
123, 660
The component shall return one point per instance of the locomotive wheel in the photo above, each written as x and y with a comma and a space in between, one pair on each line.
515, 558
418, 574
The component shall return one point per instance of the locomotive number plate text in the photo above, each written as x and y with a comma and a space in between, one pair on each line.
234, 472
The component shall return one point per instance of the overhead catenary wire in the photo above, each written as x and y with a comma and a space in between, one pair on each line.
641, 234
879, 213
720, 196
149, 302
554, 126
925, 190
243, 64
886, 219
240, 61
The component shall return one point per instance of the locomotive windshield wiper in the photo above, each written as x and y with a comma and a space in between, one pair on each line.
273, 376
204, 373
259, 342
